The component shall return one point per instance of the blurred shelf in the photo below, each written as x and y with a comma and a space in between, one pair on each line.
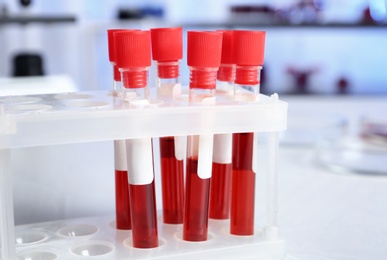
4, 20
232, 25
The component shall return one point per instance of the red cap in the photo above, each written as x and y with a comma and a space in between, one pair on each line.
111, 46
167, 44
227, 47
134, 79
249, 47
133, 49
226, 73
204, 49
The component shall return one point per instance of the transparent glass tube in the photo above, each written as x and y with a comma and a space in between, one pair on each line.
220, 191
225, 79
243, 175
135, 83
247, 83
195, 225
202, 86
116, 84
172, 164
243, 185
144, 217
123, 219
168, 80
139, 154
142, 192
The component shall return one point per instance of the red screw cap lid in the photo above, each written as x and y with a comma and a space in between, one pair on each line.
111, 45
249, 47
204, 49
133, 49
167, 44
227, 47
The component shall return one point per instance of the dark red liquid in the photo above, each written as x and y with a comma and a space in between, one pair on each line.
220, 190
243, 185
144, 217
195, 225
122, 201
172, 181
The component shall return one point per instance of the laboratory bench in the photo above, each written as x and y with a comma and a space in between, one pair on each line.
328, 212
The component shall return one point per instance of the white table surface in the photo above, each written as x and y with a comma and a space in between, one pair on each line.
328, 215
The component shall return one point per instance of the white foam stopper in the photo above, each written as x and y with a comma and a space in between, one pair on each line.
205, 156
222, 148
120, 155
140, 161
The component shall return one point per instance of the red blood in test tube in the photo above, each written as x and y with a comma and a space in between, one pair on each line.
220, 190
196, 204
172, 181
203, 58
134, 58
243, 185
144, 217
122, 201
248, 56
221, 172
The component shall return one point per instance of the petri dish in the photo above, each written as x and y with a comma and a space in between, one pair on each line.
374, 130
352, 154
363, 152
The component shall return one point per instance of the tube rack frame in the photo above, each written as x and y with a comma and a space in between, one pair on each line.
52, 119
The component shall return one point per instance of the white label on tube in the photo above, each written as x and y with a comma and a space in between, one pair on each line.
140, 161
120, 155
179, 147
222, 148
205, 156
255, 154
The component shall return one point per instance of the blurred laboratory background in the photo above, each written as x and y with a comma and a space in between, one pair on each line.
326, 58
313, 46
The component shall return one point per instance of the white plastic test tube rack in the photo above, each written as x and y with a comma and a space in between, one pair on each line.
41, 120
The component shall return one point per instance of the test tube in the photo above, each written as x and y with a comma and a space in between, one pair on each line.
167, 50
204, 53
226, 72
134, 60
113, 60
249, 54
220, 191
121, 171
